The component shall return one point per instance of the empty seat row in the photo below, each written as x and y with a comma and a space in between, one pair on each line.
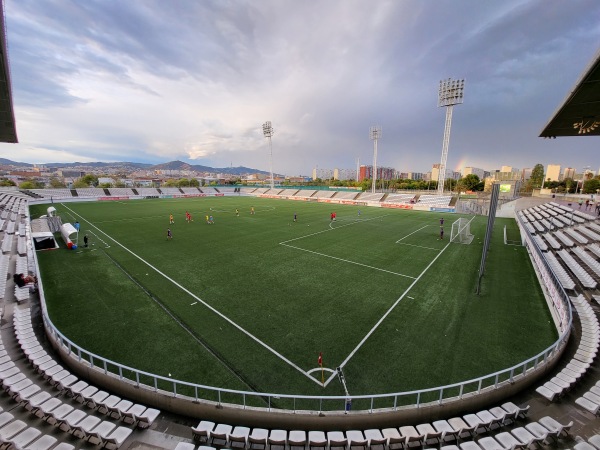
243, 437
520, 437
68, 383
588, 259
582, 275
7, 243
582, 359
563, 277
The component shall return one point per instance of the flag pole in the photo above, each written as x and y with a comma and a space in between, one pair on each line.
320, 361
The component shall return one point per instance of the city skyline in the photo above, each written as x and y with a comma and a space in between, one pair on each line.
142, 82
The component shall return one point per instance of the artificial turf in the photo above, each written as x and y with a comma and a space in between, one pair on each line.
248, 302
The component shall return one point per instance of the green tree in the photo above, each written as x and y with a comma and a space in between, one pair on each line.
591, 186
194, 182
5, 182
450, 184
537, 177
86, 181
569, 183
105, 185
470, 181
183, 182
31, 184
57, 183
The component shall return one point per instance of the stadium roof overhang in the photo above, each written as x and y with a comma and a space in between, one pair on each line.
579, 115
8, 129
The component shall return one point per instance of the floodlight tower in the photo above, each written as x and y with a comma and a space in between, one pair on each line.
374, 134
268, 132
450, 94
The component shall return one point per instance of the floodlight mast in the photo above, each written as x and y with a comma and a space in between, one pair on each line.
268, 132
450, 94
374, 134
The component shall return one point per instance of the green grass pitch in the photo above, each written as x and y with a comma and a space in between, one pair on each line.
248, 302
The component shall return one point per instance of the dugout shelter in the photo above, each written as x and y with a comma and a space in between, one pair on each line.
69, 233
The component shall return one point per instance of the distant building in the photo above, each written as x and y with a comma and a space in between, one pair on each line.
415, 175
474, 171
569, 172
383, 173
552, 172
526, 174
344, 174
506, 169
323, 174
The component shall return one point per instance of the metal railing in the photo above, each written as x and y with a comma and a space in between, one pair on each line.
272, 402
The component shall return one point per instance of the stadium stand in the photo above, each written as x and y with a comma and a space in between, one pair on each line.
435, 200
90, 192
147, 192
190, 190
324, 194
53, 193
121, 192
170, 191
346, 195
370, 197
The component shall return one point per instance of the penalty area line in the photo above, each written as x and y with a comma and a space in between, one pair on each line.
388, 312
401, 239
199, 300
330, 229
348, 261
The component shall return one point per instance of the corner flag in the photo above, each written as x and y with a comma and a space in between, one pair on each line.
320, 362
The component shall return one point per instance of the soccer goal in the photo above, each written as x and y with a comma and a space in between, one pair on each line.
461, 231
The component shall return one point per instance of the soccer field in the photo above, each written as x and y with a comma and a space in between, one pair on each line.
250, 301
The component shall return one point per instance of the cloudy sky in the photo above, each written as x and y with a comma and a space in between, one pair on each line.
154, 81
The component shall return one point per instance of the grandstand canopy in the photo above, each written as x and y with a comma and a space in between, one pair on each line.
8, 130
579, 114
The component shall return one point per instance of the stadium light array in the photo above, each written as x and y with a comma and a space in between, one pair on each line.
374, 134
268, 132
450, 93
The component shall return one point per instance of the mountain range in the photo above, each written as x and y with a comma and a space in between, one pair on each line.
171, 165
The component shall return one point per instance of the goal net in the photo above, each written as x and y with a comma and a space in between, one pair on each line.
461, 231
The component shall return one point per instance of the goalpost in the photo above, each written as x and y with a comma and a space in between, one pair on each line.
461, 231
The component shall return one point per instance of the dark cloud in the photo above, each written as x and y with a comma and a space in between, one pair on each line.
194, 79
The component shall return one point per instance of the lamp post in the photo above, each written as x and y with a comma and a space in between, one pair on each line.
268, 132
374, 134
449, 94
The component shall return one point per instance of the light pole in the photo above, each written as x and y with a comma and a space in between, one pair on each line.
268, 132
374, 134
450, 94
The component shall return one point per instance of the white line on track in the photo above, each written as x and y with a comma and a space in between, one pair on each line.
408, 296
348, 261
193, 303
191, 294
401, 239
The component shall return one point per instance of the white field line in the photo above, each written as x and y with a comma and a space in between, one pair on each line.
401, 239
360, 344
284, 243
195, 297
348, 261
98, 237
420, 246
228, 211
325, 231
